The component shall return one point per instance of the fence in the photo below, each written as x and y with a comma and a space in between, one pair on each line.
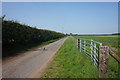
98, 53
90, 47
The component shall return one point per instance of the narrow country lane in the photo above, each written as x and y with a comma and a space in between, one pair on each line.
33, 64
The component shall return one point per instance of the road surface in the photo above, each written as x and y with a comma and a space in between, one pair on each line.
33, 64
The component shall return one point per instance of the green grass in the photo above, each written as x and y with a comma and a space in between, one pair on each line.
70, 63
105, 40
111, 40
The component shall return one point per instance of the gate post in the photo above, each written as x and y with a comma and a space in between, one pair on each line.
84, 46
103, 61
78, 42
91, 46
80, 45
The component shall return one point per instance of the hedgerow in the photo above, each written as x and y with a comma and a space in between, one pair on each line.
15, 34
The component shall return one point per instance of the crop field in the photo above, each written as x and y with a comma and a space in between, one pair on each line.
70, 63
111, 41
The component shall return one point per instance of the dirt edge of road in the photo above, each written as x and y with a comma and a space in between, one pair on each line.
42, 70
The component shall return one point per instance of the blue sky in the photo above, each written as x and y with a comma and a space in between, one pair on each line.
69, 17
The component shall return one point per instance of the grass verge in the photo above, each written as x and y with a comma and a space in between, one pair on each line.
70, 63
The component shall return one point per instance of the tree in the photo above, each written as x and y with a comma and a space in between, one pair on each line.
3, 16
70, 33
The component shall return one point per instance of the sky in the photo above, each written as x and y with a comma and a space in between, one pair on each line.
66, 17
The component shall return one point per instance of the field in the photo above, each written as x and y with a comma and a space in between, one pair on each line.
112, 42
70, 63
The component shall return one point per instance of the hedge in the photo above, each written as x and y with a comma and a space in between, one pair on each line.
15, 34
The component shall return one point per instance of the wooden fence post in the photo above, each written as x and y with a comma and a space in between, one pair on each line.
119, 62
103, 61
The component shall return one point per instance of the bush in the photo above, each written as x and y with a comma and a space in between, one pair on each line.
15, 34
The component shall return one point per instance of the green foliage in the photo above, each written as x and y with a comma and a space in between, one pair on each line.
70, 63
15, 34
111, 41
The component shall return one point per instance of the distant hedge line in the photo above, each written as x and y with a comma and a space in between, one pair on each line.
14, 33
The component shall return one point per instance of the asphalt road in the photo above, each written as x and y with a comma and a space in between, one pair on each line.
33, 64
